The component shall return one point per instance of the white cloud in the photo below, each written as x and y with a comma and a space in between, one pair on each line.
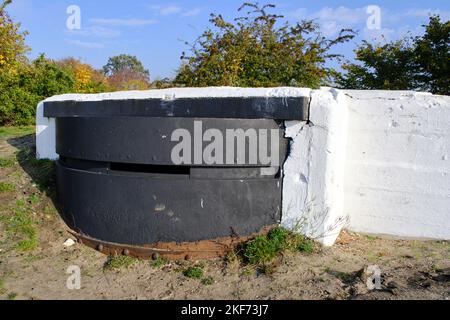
174, 10
85, 44
334, 19
170, 10
95, 31
342, 15
425, 13
191, 13
124, 22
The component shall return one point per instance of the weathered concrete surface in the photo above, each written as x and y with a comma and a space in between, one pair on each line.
313, 191
397, 178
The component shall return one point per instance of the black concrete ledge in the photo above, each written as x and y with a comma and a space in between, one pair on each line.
277, 108
136, 210
145, 140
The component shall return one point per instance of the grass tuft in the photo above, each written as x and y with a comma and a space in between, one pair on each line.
42, 171
119, 262
28, 244
6, 187
193, 273
22, 226
12, 296
7, 162
263, 249
2, 287
159, 262
207, 281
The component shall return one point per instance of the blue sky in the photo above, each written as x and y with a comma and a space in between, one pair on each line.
155, 31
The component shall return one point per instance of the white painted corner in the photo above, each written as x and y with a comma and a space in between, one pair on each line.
45, 135
313, 193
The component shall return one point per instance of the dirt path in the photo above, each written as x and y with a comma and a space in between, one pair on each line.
34, 261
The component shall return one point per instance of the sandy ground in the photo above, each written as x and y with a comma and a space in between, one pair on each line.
410, 269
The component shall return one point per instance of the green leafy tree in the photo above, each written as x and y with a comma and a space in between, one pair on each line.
389, 67
17, 104
126, 72
432, 55
254, 50
125, 62
12, 41
420, 63
20, 92
46, 78
163, 83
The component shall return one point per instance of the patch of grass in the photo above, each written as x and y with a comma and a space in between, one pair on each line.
248, 272
370, 238
42, 171
193, 273
12, 296
7, 162
21, 225
2, 287
27, 245
50, 210
16, 175
6, 187
263, 249
119, 262
207, 281
305, 245
159, 262
33, 199
10, 132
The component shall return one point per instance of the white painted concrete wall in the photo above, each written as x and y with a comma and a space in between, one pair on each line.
397, 173
373, 161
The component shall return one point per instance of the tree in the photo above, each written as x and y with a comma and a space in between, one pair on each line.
419, 63
389, 67
125, 62
12, 41
46, 78
254, 51
126, 72
128, 80
432, 55
163, 83
87, 79
30, 83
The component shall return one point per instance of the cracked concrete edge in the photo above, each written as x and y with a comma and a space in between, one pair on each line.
313, 183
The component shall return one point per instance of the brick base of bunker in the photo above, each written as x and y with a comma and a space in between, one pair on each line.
120, 191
